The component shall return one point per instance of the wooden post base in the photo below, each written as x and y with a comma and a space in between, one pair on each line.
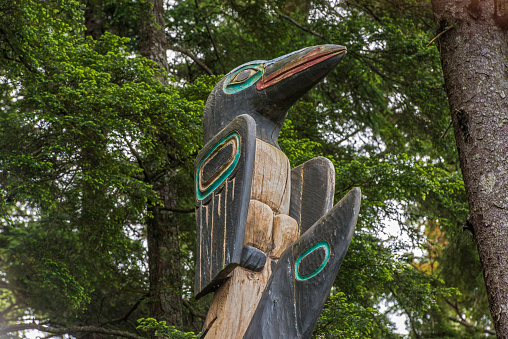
234, 303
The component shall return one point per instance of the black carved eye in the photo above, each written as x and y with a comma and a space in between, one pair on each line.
243, 76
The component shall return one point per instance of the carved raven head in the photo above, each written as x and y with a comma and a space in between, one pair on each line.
266, 90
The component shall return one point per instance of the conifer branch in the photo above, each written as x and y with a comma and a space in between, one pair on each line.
68, 330
467, 324
294, 22
441, 33
192, 310
192, 56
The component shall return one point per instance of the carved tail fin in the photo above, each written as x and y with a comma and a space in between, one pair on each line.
301, 281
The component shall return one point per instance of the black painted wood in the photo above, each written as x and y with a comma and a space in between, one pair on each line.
219, 159
222, 215
253, 258
267, 106
289, 307
312, 190
312, 262
253, 100
218, 259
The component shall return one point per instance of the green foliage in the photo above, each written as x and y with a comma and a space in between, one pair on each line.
62, 287
160, 329
343, 319
86, 129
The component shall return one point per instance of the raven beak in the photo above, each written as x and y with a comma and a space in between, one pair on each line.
288, 78
308, 59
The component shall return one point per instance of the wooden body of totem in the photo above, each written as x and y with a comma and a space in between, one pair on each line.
269, 241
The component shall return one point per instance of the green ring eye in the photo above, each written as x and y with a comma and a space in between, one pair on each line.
320, 245
242, 78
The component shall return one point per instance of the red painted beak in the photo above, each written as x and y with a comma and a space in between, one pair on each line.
297, 62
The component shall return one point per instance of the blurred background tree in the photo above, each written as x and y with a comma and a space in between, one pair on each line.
101, 105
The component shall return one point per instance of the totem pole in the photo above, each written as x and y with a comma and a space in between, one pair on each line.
270, 244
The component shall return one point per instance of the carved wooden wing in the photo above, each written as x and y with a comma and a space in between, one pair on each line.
223, 174
303, 277
312, 189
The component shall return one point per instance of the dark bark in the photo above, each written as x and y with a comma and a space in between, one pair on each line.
473, 55
164, 263
162, 228
152, 37
93, 24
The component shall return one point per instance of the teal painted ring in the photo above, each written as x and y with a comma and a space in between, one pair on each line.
231, 89
203, 194
315, 247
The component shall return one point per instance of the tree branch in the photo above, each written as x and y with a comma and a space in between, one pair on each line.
467, 324
21, 58
177, 210
192, 310
349, 136
192, 56
301, 26
4, 285
68, 330
59, 204
138, 159
129, 312
7, 310
446, 131
363, 58
411, 322
437, 36
211, 36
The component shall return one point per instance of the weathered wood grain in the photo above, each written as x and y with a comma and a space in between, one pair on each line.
258, 231
267, 229
235, 302
285, 232
271, 179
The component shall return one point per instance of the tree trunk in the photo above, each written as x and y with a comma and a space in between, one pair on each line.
474, 49
164, 264
162, 228
93, 24
152, 37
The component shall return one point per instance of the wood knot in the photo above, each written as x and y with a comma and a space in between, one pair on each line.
468, 226
474, 8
